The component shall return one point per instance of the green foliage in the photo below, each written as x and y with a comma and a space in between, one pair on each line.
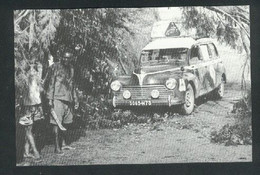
198, 18
97, 113
218, 22
33, 32
233, 135
48, 21
241, 132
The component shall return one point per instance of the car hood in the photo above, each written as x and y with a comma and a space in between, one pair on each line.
155, 68
153, 75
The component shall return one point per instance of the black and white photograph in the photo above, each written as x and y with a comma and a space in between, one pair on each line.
151, 85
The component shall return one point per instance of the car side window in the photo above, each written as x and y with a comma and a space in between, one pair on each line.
204, 52
213, 54
195, 56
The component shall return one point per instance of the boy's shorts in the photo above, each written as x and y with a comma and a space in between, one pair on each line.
63, 112
32, 113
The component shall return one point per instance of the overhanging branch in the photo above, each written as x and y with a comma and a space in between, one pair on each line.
20, 16
217, 10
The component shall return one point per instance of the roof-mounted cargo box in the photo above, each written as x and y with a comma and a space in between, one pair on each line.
163, 29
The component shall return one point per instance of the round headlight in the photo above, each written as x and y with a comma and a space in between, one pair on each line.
171, 83
115, 85
126, 94
155, 93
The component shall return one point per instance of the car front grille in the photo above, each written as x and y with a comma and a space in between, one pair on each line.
144, 92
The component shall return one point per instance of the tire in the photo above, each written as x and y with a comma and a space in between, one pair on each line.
188, 106
219, 92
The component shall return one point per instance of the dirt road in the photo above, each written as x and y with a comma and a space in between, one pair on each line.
176, 139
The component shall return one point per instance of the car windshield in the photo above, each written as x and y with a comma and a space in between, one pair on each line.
175, 55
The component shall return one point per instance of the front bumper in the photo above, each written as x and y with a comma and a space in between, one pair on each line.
141, 97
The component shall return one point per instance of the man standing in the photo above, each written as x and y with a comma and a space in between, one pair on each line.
61, 95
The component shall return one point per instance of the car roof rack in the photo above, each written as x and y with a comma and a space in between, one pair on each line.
204, 37
182, 36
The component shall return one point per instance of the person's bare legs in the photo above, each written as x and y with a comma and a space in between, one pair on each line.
26, 147
30, 139
57, 139
65, 145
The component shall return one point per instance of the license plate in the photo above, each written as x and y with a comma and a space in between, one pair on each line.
141, 103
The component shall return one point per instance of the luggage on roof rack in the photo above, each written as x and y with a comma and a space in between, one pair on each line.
165, 29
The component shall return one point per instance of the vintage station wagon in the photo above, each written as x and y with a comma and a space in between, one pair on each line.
172, 71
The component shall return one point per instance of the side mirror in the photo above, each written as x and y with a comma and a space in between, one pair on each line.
182, 68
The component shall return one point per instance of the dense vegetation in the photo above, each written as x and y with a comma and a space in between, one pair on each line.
97, 37
241, 132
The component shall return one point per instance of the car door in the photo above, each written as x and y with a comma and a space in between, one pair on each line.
196, 66
216, 62
209, 79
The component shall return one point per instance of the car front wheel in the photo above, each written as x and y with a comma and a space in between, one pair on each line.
188, 106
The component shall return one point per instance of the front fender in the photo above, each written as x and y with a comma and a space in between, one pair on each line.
124, 80
193, 80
